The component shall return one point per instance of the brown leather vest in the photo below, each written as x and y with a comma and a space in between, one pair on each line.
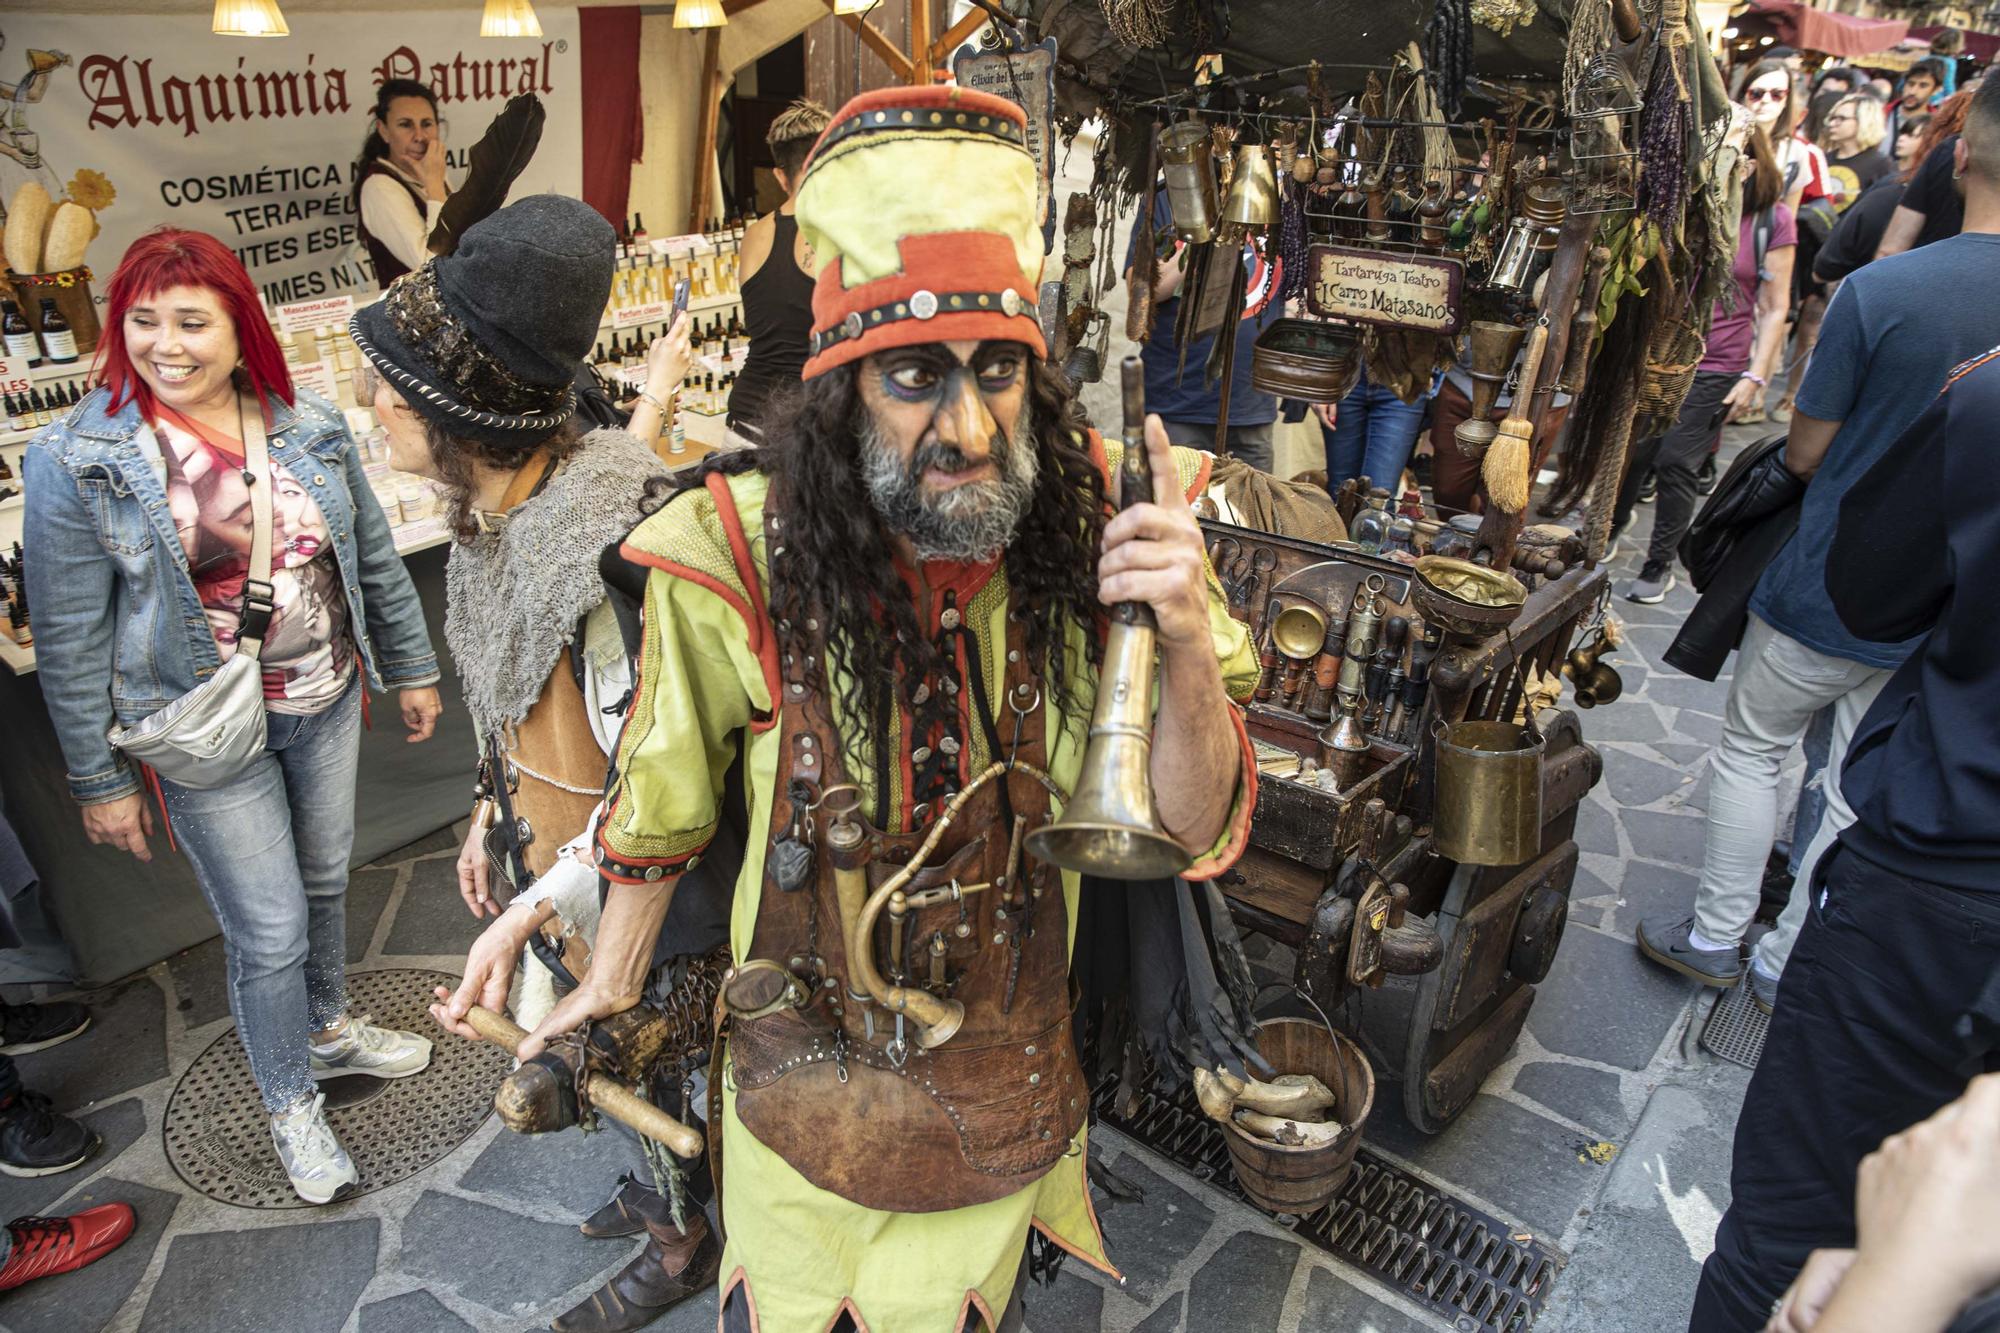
909, 1130
555, 741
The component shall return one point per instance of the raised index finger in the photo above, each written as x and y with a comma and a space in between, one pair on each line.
1160, 454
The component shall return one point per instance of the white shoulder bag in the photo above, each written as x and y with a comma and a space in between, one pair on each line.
211, 735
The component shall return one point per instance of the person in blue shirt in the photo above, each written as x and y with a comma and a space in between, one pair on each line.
1177, 390
1902, 914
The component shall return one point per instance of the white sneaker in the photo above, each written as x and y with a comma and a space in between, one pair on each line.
320, 1168
363, 1048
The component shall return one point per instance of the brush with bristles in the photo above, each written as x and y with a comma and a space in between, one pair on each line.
1506, 466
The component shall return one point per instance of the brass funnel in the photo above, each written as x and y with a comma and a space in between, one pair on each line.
1493, 346
1253, 188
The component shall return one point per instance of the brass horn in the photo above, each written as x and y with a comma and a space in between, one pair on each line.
1110, 825
1253, 189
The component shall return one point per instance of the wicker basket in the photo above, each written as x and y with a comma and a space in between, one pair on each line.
1676, 349
71, 291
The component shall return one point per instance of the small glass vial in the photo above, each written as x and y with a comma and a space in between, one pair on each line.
1371, 525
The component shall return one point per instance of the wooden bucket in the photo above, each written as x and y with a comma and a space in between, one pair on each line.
71, 290
1303, 1180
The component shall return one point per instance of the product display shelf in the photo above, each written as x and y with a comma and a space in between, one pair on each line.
17, 659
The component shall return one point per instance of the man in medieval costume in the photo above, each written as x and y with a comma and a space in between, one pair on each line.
881, 634
472, 359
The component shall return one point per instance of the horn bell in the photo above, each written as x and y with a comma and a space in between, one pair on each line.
1110, 826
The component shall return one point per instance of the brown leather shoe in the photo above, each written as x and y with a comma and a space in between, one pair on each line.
670, 1269
627, 1212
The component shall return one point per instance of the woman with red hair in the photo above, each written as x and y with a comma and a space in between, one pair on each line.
138, 537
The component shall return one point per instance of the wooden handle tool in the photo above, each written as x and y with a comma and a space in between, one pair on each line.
606, 1094
1508, 461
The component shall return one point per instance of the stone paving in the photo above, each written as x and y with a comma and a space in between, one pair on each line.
486, 1239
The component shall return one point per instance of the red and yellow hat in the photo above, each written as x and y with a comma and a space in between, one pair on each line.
920, 207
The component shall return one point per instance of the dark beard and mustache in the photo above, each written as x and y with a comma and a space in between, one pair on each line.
971, 522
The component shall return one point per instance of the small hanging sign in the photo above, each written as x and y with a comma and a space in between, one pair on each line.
1378, 287
1026, 76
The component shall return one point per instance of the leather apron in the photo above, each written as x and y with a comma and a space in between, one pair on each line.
829, 1087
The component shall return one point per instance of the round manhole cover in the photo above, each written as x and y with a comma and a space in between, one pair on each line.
219, 1138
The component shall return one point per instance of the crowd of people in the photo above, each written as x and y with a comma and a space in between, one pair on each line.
703, 636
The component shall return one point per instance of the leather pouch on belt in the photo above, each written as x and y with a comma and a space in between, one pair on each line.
953, 1127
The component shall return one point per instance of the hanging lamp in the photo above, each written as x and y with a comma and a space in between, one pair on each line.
854, 6
699, 14
249, 18
509, 18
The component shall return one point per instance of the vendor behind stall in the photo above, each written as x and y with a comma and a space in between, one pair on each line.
399, 185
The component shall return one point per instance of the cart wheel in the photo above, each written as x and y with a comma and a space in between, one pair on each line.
1537, 932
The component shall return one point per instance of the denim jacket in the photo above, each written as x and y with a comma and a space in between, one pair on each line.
119, 630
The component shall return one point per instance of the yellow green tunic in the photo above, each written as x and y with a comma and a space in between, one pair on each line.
708, 679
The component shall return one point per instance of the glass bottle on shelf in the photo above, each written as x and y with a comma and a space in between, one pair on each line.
58, 343
1371, 525
21, 344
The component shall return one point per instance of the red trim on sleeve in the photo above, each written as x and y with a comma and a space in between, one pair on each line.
1239, 836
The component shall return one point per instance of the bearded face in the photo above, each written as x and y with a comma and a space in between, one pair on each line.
947, 440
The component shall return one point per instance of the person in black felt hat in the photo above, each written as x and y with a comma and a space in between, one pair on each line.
473, 358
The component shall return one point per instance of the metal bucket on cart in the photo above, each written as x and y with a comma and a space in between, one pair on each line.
1489, 793
1283, 1179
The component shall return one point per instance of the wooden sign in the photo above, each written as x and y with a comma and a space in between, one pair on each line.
1025, 75
1378, 287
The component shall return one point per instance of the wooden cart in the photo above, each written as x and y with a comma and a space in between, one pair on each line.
1478, 938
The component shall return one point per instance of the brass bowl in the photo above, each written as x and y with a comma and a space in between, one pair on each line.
1466, 598
1299, 632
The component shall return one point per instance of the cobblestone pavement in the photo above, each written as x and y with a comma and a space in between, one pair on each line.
1606, 1133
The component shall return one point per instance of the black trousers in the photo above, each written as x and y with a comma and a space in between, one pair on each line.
1876, 1028
1675, 457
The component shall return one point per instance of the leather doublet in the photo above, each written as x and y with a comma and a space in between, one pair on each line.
827, 1086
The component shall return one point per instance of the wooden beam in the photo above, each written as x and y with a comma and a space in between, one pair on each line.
731, 8
956, 34
920, 42
711, 115
871, 36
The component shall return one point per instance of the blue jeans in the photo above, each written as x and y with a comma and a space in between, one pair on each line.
270, 851
1373, 435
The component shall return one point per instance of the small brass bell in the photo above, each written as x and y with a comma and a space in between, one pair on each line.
1253, 188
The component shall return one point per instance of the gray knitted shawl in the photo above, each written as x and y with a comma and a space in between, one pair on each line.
514, 598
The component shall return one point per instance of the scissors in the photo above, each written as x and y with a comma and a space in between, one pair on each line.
1261, 565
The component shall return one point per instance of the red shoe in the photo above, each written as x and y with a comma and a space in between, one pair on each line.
44, 1246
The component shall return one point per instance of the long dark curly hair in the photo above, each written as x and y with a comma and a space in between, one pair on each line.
838, 566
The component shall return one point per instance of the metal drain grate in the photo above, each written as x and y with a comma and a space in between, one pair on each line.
1405, 1233
1735, 1028
219, 1138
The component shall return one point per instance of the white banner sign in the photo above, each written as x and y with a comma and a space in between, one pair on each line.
255, 141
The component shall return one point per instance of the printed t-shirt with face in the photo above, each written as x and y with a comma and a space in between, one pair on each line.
307, 656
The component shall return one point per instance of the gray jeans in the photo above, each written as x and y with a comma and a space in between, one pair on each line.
1252, 444
270, 852
1780, 684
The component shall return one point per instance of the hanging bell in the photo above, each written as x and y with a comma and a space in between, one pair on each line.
1253, 188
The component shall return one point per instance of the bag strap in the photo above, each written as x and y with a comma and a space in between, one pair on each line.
258, 604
